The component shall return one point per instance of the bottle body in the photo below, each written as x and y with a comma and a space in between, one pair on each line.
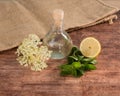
59, 42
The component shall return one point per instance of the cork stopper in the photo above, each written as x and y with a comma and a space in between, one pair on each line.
58, 16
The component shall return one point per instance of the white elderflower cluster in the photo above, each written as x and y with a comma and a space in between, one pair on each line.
33, 54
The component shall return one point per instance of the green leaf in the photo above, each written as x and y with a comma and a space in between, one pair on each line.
93, 61
73, 50
88, 67
70, 60
80, 57
79, 72
76, 64
66, 70
87, 59
73, 57
74, 72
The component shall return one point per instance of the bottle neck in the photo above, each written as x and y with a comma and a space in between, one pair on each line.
58, 26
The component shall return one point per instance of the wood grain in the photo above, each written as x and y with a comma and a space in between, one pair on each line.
16, 80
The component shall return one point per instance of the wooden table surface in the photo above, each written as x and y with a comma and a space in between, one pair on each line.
16, 80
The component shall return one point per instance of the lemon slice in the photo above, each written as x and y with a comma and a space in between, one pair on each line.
90, 47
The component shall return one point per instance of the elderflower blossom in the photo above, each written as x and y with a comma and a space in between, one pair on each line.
31, 55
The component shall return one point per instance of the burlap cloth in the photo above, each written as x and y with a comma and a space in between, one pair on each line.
18, 18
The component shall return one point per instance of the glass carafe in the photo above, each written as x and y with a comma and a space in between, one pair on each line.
57, 39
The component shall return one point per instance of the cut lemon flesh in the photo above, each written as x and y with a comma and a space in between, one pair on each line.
90, 47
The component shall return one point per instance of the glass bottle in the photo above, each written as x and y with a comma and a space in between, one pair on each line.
57, 39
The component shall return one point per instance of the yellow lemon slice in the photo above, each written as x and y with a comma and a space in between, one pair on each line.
90, 47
